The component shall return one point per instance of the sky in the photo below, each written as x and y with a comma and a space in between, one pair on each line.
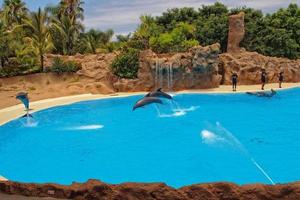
123, 15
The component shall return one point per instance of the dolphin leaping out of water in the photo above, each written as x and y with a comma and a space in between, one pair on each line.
159, 93
146, 101
23, 97
263, 94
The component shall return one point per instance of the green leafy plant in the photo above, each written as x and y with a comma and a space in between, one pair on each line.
59, 66
126, 65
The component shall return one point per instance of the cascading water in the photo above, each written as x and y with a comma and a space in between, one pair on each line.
156, 73
170, 77
161, 72
221, 135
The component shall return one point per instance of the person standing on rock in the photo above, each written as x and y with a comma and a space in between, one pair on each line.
234, 78
263, 79
280, 77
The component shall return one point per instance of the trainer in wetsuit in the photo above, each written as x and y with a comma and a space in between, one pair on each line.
263, 79
280, 77
234, 78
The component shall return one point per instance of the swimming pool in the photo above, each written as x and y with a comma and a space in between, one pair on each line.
201, 138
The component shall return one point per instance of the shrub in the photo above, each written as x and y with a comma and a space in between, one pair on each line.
59, 66
178, 40
126, 65
16, 70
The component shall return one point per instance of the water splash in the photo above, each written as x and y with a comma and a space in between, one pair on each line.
223, 136
177, 108
209, 137
174, 114
29, 122
86, 127
189, 109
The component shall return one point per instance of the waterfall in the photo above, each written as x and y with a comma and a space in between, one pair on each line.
161, 76
170, 80
156, 73
160, 73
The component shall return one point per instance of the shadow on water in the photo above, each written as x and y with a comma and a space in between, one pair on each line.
219, 136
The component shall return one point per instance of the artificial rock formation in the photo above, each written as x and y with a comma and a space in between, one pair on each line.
194, 69
236, 32
96, 190
248, 65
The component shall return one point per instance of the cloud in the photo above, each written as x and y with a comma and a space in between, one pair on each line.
123, 15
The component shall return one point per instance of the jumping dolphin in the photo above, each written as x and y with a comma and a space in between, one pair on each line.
146, 101
263, 94
23, 97
159, 93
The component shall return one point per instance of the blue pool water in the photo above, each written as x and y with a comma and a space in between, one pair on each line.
237, 138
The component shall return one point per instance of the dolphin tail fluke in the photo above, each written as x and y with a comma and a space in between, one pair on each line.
27, 115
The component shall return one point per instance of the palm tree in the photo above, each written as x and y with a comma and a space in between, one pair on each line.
14, 12
39, 35
4, 45
106, 36
72, 8
94, 39
69, 28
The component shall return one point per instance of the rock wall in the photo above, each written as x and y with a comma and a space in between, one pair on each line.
236, 32
96, 190
194, 69
249, 65
95, 67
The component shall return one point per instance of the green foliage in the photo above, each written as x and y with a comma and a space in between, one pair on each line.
59, 66
212, 25
38, 34
13, 13
93, 40
172, 17
179, 39
274, 34
126, 65
25, 37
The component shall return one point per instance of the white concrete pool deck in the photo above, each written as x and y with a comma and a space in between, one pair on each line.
14, 112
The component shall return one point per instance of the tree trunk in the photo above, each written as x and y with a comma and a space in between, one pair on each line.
2, 62
42, 62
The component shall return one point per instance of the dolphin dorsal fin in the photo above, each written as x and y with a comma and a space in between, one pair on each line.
159, 89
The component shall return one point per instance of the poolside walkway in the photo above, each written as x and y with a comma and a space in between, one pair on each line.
13, 112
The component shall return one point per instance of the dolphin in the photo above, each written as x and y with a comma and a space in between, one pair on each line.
23, 97
159, 93
146, 101
263, 94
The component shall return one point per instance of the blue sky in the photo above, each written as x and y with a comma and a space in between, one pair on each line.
123, 15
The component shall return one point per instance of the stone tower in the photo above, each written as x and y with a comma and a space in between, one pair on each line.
236, 32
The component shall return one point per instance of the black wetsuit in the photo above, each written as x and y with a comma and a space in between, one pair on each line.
234, 78
263, 79
280, 79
